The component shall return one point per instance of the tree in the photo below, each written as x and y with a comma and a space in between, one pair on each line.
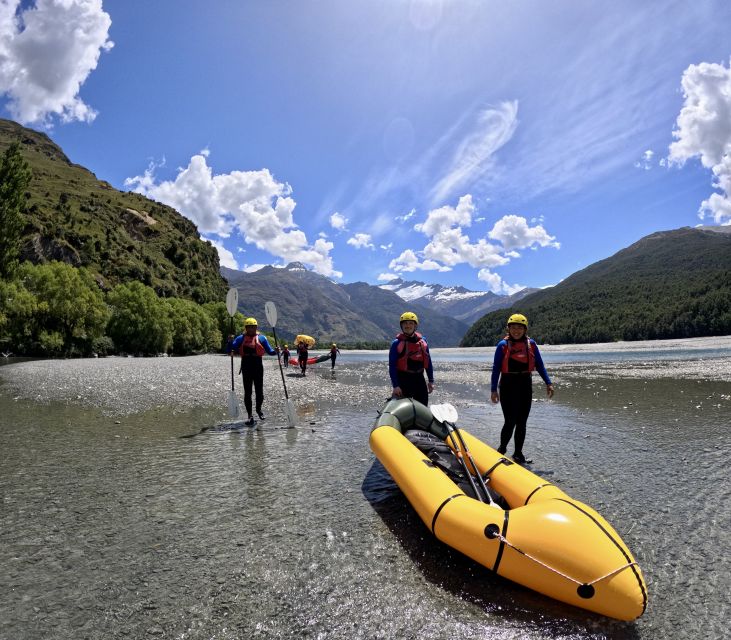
15, 175
140, 321
71, 312
194, 330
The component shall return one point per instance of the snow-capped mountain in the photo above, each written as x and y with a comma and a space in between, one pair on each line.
457, 302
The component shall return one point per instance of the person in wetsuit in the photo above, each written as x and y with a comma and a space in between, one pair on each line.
302, 355
516, 356
285, 356
334, 351
408, 359
251, 346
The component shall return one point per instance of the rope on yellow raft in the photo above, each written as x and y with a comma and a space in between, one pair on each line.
504, 540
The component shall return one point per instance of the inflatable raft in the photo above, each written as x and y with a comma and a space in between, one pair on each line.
311, 360
540, 537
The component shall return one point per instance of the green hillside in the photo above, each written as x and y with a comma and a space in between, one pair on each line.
671, 284
72, 217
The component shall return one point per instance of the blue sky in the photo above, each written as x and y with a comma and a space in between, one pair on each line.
482, 143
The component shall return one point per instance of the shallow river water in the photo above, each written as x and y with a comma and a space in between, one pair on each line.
132, 509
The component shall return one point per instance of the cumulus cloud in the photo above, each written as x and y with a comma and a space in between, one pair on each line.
513, 232
47, 51
496, 284
449, 245
387, 277
252, 203
338, 221
473, 157
703, 131
361, 241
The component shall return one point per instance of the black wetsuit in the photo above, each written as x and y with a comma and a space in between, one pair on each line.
516, 398
302, 355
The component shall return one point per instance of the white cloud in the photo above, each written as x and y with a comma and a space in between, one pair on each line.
473, 158
496, 284
406, 217
703, 130
250, 202
47, 51
513, 232
646, 161
387, 277
361, 241
449, 245
338, 221
225, 257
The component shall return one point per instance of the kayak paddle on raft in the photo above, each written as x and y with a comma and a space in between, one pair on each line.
270, 310
447, 415
232, 303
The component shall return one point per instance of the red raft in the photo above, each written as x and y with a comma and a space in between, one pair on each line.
312, 360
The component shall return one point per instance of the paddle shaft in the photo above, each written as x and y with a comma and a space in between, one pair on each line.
231, 329
474, 466
460, 457
279, 360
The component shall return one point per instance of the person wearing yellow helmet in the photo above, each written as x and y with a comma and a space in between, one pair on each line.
408, 360
334, 351
251, 346
285, 355
516, 357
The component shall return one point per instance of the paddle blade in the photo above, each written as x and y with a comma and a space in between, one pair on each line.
232, 301
233, 405
270, 310
291, 414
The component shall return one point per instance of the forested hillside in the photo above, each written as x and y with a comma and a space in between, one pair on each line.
671, 284
72, 217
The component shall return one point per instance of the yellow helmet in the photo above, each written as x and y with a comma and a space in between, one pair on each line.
334, 345
286, 346
409, 315
518, 318
250, 322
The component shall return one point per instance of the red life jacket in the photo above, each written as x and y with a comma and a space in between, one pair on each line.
520, 351
412, 354
250, 346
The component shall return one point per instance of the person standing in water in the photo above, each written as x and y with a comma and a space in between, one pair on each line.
302, 355
285, 355
516, 357
251, 346
408, 359
334, 351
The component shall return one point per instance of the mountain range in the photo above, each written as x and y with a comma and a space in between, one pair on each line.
458, 302
669, 284
330, 312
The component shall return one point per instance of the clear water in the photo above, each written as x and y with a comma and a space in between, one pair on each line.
114, 524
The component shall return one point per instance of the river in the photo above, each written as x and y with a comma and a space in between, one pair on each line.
133, 507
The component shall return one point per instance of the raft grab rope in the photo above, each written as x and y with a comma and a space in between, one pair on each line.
585, 590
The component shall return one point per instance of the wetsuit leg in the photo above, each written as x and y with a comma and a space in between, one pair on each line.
332, 358
413, 385
515, 401
248, 383
258, 377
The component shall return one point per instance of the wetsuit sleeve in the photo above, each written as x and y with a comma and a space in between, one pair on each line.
497, 364
430, 368
234, 344
540, 367
392, 358
267, 347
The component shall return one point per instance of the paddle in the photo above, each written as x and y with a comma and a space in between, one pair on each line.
232, 303
447, 415
271, 313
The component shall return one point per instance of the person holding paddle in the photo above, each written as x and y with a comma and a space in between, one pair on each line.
516, 356
251, 346
408, 360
